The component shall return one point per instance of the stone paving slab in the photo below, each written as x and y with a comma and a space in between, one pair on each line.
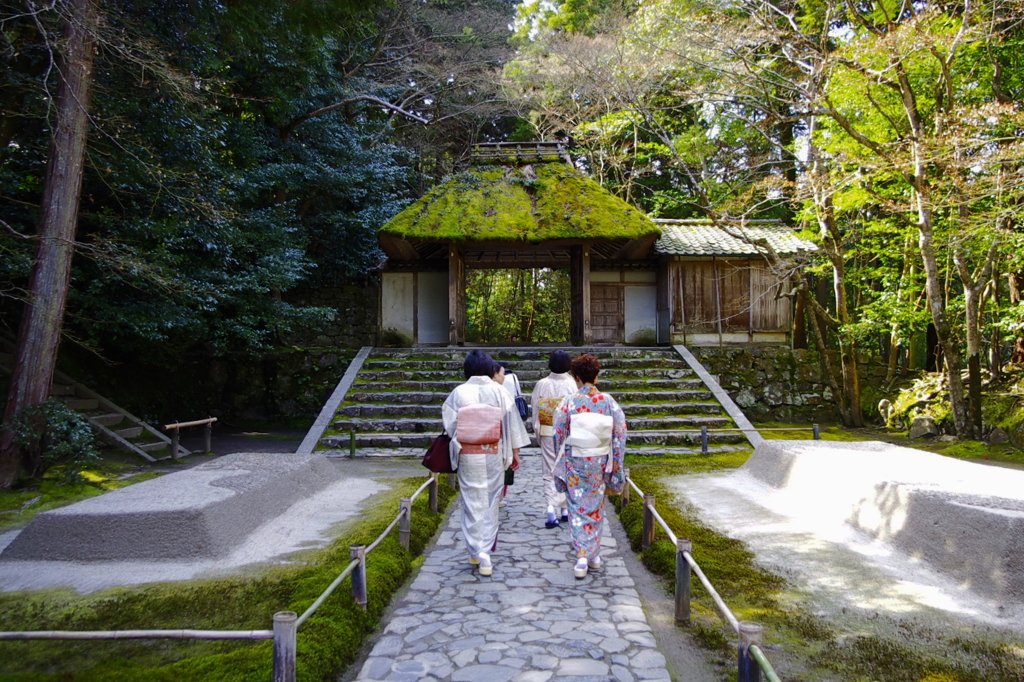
531, 621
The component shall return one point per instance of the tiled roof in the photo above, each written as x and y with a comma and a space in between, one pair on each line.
702, 238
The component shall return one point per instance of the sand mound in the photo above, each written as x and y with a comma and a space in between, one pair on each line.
965, 520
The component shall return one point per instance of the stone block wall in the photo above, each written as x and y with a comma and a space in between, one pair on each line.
772, 384
353, 325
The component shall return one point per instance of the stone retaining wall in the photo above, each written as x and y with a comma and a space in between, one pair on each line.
772, 384
354, 325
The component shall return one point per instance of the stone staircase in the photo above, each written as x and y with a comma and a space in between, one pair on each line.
114, 425
395, 401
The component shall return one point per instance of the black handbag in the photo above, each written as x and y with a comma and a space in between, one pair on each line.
437, 458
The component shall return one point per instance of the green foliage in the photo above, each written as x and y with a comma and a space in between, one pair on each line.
328, 641
193, 208
526, 305
54, 437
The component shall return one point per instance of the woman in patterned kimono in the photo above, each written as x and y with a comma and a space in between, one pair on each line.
482, 474
585, 478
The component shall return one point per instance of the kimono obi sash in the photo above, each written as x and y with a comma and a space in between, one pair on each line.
590, 434
478, 428
546, 415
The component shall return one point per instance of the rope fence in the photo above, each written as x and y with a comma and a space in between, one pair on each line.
751, 660
285, 623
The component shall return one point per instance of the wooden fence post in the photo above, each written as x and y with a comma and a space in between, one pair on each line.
683, 545
649, 528
358, 553
432, 490
750, 633
285, 645
405, 522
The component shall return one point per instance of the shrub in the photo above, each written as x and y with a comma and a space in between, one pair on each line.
53, 436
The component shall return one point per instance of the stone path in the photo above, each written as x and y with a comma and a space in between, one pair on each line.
531, 621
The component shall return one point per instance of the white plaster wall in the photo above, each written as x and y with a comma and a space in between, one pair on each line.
641, 313
432, 308
605, 276
397, 307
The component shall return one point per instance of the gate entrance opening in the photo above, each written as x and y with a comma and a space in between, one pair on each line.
525, 305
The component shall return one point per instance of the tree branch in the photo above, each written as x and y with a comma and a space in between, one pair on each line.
287, 131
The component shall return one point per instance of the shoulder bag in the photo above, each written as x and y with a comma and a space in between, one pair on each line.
437, 458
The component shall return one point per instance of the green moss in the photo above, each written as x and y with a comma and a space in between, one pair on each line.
394, 338
328, 641
804, 432
529, 203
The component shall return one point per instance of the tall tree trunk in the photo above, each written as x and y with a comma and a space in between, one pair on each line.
832, 242
1016, 282
41, 322
937, 307
973, 289
995, 360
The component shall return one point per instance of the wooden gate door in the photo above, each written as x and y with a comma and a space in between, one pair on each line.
607, 320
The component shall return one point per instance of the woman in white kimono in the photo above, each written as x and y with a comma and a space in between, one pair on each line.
482, 476
547, 394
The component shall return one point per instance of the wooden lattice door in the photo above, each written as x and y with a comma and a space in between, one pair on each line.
606, 313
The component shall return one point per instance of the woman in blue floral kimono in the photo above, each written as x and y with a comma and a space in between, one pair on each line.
585, 478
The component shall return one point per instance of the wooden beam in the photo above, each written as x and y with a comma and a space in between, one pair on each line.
456, 296
579, 272
636, 248
396, 247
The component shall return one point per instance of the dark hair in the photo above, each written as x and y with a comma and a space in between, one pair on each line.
478, 364
585, 367
503, 365
559, 362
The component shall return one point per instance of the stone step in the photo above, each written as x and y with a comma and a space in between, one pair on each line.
130, 432
82, 404
366, 410
670, 438
107, 419
714, 448
669, 408
612, 385
652, 443
149, 447
532, 353
433, 424
435, 398
527, 377
378, 364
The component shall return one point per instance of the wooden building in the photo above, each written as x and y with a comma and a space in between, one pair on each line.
633, 280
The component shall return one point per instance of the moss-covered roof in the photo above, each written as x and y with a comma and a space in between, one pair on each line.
530, 203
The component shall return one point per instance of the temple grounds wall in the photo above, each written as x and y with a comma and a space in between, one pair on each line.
775, 384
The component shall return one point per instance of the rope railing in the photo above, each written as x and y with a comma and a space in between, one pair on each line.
285, 623
752, 660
